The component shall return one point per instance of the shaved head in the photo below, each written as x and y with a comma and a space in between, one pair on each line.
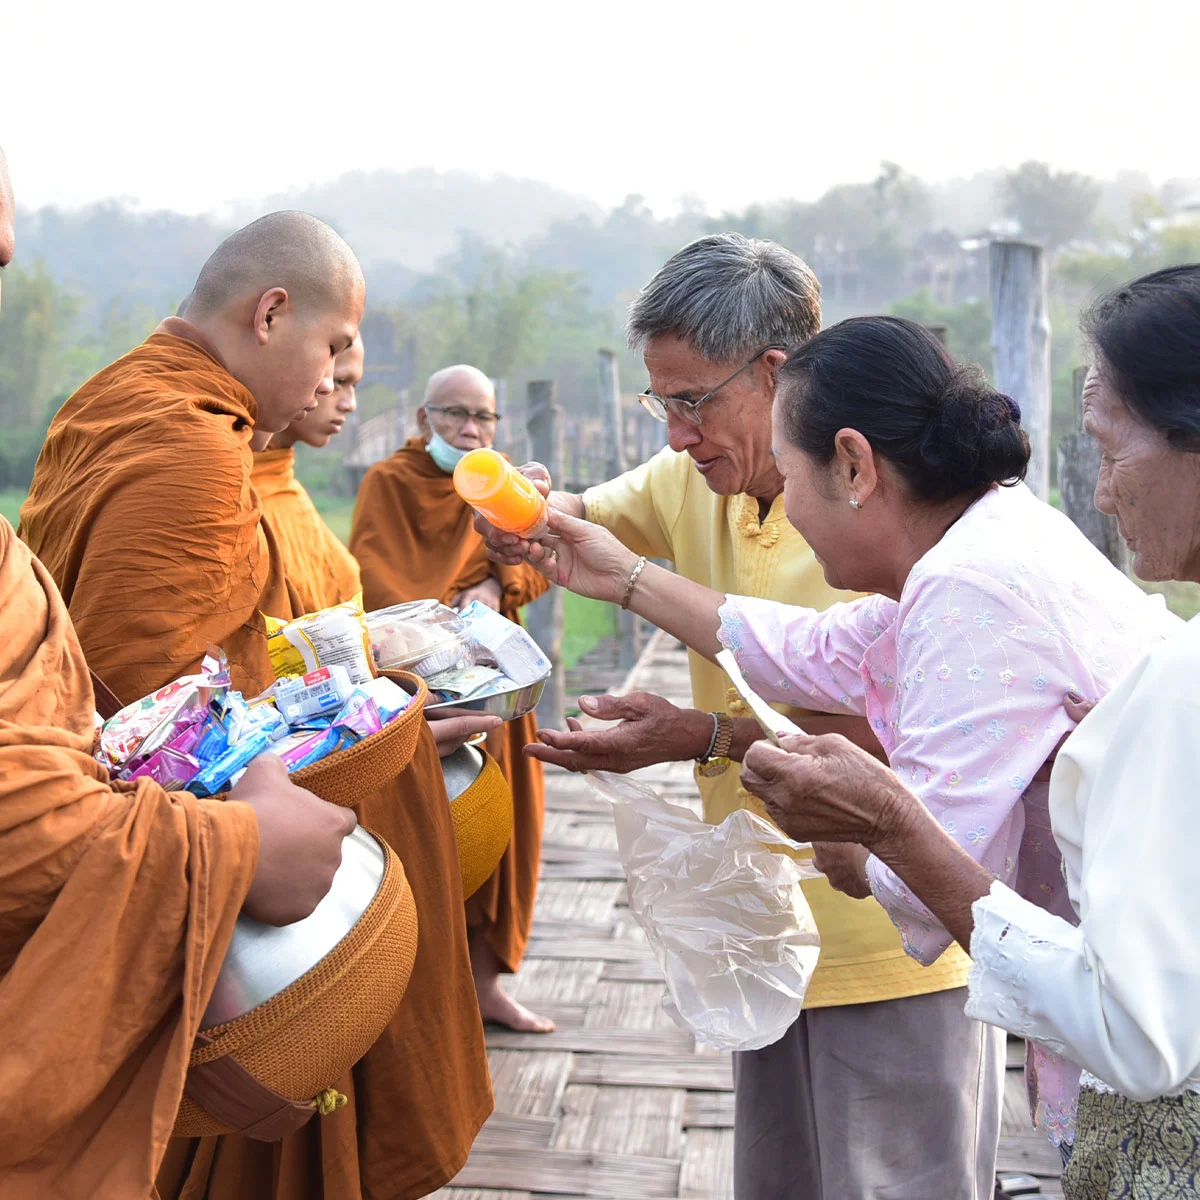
451, 385
290, 250
458, 404
8, 214
278, 301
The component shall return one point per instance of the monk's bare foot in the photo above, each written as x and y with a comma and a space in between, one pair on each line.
495, 1004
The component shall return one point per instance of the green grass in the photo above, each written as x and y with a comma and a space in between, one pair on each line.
11, 500
585, 622
337, 511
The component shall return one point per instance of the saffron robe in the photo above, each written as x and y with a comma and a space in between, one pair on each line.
317, 565
159, 545
414, 538
117, 903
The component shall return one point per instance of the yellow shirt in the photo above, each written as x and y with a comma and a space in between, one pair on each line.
664, 509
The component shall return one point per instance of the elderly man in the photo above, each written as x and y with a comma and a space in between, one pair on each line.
116, 905
413, 538
143, 510
883, 1086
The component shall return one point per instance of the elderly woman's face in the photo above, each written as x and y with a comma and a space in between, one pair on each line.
820, 515
1152, 489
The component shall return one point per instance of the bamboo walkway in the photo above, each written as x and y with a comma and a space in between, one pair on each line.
619, 1101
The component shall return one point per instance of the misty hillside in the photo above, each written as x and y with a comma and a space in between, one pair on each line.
399, 222
413, 217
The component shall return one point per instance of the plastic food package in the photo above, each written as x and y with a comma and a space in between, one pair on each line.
336, 635
723, 911
323, 690
422, 636
506, 643
142, 727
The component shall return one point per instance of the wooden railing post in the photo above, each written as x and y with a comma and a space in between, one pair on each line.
1021, 345
615, 463
544, 423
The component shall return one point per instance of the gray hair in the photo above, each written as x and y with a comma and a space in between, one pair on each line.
729, 296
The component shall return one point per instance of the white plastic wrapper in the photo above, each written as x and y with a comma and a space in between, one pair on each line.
722, 909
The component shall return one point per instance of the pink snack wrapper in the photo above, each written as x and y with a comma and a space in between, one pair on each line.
171, 769
146, 725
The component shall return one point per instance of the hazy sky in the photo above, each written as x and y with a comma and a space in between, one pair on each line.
195, 106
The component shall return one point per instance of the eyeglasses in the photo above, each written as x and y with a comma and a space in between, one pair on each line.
660, 407
462, 415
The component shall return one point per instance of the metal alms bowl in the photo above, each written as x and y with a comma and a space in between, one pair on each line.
461, 769
262, 960
508, 706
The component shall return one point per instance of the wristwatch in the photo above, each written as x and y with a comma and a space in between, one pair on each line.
716, 758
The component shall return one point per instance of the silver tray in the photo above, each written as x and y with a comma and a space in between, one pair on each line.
507, 705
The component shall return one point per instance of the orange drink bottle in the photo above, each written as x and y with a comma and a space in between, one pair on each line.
492, 486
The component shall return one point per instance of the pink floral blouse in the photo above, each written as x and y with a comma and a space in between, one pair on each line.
963, 680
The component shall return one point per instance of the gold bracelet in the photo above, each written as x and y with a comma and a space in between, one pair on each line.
633, 578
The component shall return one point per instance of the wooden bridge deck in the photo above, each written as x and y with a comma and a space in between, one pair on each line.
619, 1101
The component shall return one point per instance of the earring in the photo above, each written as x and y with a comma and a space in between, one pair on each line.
855, 504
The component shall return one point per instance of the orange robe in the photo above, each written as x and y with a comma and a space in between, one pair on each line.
142, 504
414, 539
316, 563
117, 903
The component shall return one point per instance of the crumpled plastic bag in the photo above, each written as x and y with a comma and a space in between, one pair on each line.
723, 911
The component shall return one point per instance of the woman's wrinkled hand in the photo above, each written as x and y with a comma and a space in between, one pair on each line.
504, 547
582, 557
844, 864
826, 789
651, 730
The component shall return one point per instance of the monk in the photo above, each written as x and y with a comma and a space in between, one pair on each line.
414, 539
142, 507
316, 563
319, 568
117, 903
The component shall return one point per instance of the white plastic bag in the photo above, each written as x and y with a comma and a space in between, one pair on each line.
723, 911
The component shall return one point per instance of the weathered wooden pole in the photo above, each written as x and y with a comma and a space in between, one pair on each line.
939, 332
1078, 470
615, 464
544, 423
1021, 345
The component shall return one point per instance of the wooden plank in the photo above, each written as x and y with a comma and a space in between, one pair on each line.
453, 1193
571, 852
581, 1172
553, 927
572, 900
542, 980
698, 1072
507, 1129
1015, 1055
643, 1121
596, 869
707, 1172
646, 971
712, 1110
1014, 1117
1030, 1152
601, 949
629, 1005
528, 1085
593, 1040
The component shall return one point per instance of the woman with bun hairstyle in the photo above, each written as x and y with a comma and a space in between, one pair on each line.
990, 613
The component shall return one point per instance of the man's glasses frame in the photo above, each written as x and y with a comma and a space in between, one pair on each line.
463, 415
659, 407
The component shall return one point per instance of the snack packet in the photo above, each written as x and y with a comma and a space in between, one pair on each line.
506, 643
332, 636
142, 727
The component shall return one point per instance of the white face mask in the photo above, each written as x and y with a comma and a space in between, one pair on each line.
445, 455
